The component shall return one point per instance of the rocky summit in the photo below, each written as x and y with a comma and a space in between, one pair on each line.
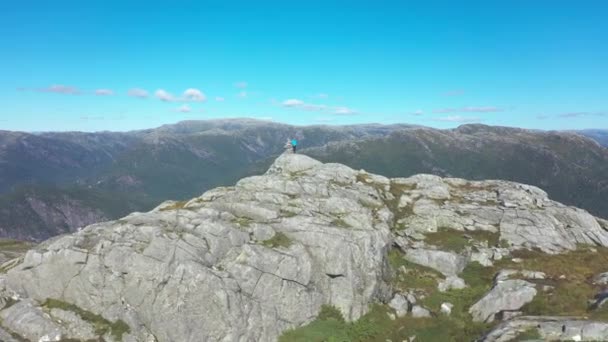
312, 252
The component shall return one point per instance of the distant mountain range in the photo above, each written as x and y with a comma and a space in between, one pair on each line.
52, 183
599, 135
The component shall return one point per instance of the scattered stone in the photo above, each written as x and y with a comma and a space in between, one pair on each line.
451, 282
511, 273
446, 308
420, 312
550, 329
400, 304
601, 279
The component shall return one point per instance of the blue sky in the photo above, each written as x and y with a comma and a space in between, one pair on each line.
121, 65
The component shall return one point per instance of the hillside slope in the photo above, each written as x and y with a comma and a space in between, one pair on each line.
47, 180
571, 168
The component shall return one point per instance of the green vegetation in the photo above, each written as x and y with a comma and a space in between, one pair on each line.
176, 205
569, 275
100, 324
287, 213
339, 222
244, 222
457, 241
417, 276
278, 240
376, 326
530, 334
14, 245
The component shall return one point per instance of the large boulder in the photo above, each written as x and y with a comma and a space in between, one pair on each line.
237, 264
507, 295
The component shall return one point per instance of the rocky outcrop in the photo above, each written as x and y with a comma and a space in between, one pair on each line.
549, 329
250, 261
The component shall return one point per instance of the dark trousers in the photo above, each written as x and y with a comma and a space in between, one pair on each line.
294, 148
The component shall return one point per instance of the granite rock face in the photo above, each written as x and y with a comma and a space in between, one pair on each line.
250, 261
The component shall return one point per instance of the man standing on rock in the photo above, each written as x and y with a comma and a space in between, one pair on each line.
294, 144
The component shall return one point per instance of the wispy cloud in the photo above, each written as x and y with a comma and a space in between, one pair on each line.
241, 85
163, 95
60, 89
266, 118
92, 118
344, 111
243, 94
458, 118
483, 109
542, 117
219, 99
321, 96
418, 112
184, 109
299, 104
313, 107
296, 103
192, 94
571, 115
324, 119
456, 92
104, 92
138, 92
293, 103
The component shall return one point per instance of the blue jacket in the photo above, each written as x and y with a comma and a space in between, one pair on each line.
294, 142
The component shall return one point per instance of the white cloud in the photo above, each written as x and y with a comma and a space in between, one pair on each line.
293, 103
344, 111
299, 104
219, 99
163, 95
483, 109
137, 92
192, 94
322, 96
61, 89
241, 85
104, 92
418, 112
90, 118
313, 107
184, 109
458, 118
243, 94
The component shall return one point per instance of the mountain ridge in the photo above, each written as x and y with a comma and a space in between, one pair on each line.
143, 167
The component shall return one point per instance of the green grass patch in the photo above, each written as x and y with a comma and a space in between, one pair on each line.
417, 276
278, 240
457, 241
15, 245
100, 324
243, 221
175, 206
339, 222
376, 326
570, 295
530, 334
287, 213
